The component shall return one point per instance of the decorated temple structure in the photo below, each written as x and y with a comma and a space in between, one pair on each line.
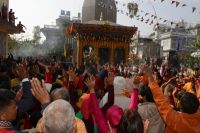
101, 42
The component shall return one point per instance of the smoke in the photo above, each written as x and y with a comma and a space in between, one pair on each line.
52, 41
27, 51
21, 47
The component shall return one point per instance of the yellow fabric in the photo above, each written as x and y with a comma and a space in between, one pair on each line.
15, 82
80, 126
188, 87
123, 95
59, 81
81, 99
65, 51
177, 103
198, 92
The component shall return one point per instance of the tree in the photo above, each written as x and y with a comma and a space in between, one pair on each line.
185, 56
197, 43
133, 9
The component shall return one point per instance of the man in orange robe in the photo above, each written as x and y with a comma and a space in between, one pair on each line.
186, 121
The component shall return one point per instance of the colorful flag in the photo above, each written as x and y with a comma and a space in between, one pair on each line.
173, 2
65, 51
177, 3
184, 5
193, 9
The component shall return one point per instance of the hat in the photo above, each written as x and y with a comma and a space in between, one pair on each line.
114, 115
120, 83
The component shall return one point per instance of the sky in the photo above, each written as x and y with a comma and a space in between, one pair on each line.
40, 12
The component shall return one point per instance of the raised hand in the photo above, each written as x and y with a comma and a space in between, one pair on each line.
40, 92
72, 74
36, 69
172, 79
133, 82
109, 79
146, 126
175, 91
22, 71
146, 70
90, 83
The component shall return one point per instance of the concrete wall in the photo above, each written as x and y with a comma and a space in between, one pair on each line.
92, 9
6, 2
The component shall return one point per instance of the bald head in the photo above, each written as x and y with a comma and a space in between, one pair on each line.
59, 117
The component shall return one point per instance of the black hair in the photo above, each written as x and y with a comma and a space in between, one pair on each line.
5, 82
85, 88
6, 96
145, 91
131, 122
3, 67
63, 94
196, 68
179, 94
55, 86
189, 103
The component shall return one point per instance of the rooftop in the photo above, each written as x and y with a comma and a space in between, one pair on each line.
101, 30
101, 23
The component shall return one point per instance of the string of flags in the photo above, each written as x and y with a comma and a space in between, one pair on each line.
152, 19
177, 4
147, 18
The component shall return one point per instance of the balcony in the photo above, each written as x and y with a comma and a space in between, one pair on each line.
9, 28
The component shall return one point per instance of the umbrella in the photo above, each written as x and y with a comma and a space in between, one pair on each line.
196, 54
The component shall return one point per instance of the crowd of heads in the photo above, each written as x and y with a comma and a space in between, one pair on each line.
65, 88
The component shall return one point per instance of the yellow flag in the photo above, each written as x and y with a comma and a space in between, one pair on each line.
65, 51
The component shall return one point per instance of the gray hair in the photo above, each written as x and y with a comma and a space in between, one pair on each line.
59, 94
59, 117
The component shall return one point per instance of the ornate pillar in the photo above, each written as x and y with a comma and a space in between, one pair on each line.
96, 52
79, 53
112, 54
126, 52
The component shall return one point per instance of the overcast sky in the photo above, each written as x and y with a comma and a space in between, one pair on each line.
40, 12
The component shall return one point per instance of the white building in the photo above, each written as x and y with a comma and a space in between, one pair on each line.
145, 48
179, 38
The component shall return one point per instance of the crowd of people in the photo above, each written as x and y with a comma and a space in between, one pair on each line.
49, 96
